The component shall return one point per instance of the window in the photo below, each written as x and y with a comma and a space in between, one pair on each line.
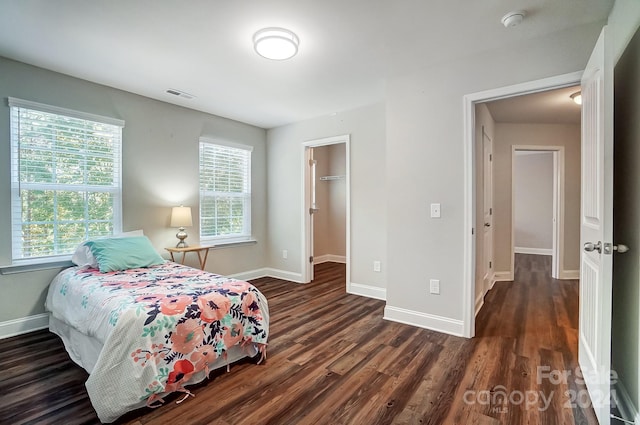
225, 191
65, 179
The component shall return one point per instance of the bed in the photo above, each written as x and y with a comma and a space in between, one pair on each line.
144, 332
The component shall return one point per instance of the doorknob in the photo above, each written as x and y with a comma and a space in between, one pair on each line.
487, 224
620, 248
590, 246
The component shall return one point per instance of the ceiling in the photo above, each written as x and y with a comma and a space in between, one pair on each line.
548, 107
348, 48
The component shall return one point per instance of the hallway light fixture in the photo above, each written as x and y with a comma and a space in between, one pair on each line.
577, 97
276, 43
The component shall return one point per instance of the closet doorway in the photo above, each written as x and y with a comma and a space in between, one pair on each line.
326, 209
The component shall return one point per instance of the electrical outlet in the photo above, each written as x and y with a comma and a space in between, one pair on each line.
376, 266
285, 254
434, 286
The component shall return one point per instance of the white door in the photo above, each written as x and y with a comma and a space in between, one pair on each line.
312, 208
487, 148
596, 227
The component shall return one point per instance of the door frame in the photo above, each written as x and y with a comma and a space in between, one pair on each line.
306, 248
558, 206
469, 212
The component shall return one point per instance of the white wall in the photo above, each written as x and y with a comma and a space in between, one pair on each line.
366, 126
160, 170
425, 160
508, 135
533, 203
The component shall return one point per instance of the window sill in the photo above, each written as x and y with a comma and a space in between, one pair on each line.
228, 244
24, 268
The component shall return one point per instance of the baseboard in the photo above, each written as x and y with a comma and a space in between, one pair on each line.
569, 274
284, 274
330, 258
251, 274
24, 325
368, 291
502, 277
533, 251
479, 303
624, 403
424, 320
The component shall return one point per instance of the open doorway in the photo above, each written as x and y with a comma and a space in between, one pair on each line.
326, 209
506, 133
538, 193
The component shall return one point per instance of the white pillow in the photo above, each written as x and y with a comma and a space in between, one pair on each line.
84, 258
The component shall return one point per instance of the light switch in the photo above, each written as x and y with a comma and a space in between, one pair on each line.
434, 286
435, 210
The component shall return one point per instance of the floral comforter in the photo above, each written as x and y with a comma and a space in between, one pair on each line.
161, 328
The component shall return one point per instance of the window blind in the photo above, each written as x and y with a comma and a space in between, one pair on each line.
65, 179
225, 191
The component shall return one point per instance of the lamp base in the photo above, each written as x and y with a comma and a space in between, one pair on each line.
181, 235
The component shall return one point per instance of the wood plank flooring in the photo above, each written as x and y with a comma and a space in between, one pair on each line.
332, 359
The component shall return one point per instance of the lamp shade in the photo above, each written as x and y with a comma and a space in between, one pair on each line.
181, 217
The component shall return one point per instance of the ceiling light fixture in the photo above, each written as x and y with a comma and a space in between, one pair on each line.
577, 97
276, 43
513, 19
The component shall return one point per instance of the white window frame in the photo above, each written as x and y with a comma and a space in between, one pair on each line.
17, 185
245, 234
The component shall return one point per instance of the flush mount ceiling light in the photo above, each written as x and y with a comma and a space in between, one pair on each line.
577, 97
276, 43
512, 19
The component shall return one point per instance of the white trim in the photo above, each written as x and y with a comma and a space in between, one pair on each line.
251, 274
502, 277
330, 258
532, 251
306, 266
480, 301
469, 211
624, 403
268, 272
569, 274
424, 320
367, 291
27, 104
23, 325
284, 275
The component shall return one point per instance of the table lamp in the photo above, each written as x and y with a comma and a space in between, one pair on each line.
181, 218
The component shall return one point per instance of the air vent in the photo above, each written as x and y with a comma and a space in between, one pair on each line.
180, 93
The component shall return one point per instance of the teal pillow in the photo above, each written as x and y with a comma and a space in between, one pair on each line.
124, 253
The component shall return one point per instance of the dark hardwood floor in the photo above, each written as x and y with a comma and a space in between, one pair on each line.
332, 359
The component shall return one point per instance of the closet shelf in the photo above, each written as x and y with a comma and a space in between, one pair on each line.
327, 178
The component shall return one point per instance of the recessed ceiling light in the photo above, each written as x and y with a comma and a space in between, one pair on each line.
276, 43
577, 97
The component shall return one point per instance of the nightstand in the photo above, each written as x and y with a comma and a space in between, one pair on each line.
202, 251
